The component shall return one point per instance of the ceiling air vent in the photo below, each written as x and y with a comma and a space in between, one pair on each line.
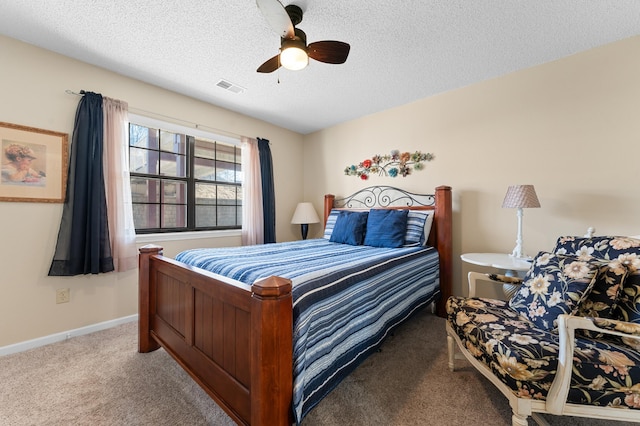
232, 87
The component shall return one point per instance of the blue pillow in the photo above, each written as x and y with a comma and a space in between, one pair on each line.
349, 228
414, 235
386, 228
331, 222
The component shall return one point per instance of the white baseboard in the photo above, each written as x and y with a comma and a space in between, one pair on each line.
59, 337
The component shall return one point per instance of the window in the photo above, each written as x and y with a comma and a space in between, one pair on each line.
183, 179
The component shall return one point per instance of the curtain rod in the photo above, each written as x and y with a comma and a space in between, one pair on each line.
194, 125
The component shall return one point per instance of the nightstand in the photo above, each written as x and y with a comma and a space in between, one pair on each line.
505, 262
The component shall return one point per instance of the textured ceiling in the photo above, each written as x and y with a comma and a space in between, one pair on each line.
401, 51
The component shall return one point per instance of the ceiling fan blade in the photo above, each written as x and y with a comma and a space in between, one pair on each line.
329, 51
277, 17
270, 65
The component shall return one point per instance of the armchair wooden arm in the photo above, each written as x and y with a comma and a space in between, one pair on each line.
567, 325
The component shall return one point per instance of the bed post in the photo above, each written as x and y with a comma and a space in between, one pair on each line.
146, 343
328, 205
271, 352
443, 229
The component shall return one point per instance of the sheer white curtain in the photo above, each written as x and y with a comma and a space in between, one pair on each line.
122, 233
252, 213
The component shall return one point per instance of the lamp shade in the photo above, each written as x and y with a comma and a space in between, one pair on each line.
294, 58
304, 214
293, 52
521, 196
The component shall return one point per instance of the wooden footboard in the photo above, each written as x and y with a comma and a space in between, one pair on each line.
234, 340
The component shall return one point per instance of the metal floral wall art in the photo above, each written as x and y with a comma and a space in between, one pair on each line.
394, 164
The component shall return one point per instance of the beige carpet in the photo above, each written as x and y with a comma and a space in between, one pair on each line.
100, 379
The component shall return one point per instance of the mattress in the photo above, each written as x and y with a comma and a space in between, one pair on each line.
346, 299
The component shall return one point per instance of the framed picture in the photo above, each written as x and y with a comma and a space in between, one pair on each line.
34, 164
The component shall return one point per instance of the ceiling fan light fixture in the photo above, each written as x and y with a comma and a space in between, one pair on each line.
294, 53
293, 56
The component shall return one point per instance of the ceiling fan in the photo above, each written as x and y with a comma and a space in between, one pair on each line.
294, 52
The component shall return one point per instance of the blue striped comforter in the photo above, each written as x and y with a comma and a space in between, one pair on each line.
345, 300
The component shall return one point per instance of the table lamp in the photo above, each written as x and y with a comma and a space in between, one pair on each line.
520, 197
304, 215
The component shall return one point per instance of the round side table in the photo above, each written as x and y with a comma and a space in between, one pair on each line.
509, 264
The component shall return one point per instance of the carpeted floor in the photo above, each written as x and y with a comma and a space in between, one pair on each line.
100, 379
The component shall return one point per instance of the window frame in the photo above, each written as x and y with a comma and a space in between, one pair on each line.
191, 134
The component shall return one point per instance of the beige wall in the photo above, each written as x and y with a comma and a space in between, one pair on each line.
568, 127
571, 128
32, 88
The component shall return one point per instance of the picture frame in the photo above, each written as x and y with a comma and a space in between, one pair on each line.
34, 164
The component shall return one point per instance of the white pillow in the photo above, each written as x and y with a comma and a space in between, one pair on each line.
427, 226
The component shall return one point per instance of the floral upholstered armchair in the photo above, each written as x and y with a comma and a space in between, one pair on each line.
568, 341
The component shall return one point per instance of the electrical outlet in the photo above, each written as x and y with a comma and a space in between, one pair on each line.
63, 295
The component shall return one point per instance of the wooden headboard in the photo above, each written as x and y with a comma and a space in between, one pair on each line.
389, 197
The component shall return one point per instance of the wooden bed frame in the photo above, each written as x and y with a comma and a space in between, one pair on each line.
235, 340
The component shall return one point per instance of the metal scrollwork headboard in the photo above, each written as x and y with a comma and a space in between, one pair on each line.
384, 196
